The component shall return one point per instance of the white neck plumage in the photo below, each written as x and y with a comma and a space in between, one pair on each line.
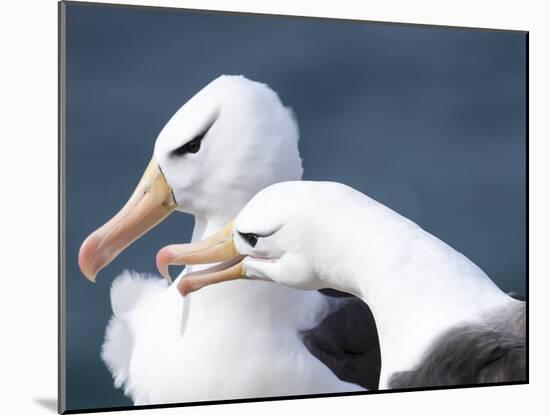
204, 227
416, 286
274, 305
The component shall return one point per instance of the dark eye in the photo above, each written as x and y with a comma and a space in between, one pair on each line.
250, 238
191, 147
194, 145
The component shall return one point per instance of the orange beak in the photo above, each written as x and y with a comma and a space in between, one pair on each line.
151, 202
218, 247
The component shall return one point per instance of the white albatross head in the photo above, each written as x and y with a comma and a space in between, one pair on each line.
229, 141
282, 235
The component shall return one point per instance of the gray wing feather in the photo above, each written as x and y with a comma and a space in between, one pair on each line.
476, 354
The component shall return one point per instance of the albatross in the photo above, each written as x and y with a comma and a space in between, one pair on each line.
441, 320
244, 340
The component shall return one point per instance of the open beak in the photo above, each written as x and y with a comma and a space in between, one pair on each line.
217, 248
151, 202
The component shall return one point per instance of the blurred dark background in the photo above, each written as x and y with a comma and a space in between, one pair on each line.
430, 121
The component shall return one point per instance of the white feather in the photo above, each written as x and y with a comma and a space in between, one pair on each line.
332, 236
241, 340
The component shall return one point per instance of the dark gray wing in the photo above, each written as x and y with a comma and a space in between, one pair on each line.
473, 355
346, 341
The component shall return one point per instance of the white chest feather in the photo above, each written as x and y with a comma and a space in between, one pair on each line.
238, 343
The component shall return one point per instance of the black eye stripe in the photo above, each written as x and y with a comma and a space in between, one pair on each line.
192, 146
250, 238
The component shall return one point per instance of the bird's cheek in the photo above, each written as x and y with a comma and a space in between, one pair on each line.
256, 270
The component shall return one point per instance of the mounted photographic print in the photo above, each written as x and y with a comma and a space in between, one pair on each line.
270, 207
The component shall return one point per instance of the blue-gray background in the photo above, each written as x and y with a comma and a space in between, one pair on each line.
430, 121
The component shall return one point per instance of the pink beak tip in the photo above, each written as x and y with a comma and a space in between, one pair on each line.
185, 288
163, 260
85, 259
